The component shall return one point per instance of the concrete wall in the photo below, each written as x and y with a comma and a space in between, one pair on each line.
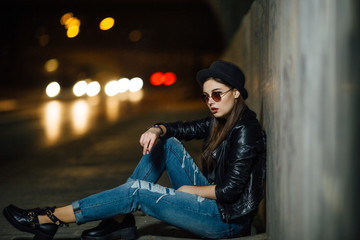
301, 59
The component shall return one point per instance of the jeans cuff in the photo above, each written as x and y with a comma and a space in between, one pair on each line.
77, 211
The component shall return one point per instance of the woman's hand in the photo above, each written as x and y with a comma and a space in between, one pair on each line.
149, 138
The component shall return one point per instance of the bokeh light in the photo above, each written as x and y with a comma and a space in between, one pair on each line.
112, 88
66, 17
53, 89
80, 88
107, 23
93, 89
159, 78
71, 23
51, 65
72, 31
156, 79
169, 78
136, 84
124, 85
135, 36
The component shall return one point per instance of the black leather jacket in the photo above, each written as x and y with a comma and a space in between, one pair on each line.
240, 170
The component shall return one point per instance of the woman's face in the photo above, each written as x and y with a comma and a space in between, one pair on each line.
222, 108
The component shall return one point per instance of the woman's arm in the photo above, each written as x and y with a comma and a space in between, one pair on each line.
202, 191
188, 130
181, 130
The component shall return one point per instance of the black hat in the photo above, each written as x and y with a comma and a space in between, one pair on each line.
227, 72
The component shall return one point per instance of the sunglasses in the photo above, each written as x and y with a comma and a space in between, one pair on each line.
216, 96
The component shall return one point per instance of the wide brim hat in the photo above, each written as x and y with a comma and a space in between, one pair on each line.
227, 72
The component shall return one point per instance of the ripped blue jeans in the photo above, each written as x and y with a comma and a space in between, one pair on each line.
187, 211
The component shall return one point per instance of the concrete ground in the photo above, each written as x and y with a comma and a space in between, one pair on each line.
56, 176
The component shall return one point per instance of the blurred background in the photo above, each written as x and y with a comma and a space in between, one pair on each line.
66, 41
81, 80
82, 59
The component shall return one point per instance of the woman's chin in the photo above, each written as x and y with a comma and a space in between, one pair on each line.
218, 115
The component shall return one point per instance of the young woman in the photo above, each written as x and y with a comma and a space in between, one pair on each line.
218, 202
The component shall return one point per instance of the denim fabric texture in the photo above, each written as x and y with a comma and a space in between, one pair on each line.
140, 192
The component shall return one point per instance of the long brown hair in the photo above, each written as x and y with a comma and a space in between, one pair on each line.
220, 129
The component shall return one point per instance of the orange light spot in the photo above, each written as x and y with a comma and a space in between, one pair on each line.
107, 23
65, 17
72, 31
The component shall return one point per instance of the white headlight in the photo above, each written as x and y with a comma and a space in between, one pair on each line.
93, 89
80, 88
136, 84
53, 89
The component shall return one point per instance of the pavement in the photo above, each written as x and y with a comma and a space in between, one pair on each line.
102, 159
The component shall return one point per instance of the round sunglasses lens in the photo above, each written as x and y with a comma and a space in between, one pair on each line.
216, 96
204, 98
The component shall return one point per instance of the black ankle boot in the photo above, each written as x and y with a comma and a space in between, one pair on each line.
110, 229
27, 221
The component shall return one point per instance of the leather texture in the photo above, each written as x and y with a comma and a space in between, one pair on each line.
27, 221
241, 157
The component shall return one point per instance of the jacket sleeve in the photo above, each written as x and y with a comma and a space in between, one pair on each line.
188, 130
240, 161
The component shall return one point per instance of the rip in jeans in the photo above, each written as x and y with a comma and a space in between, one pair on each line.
140, 184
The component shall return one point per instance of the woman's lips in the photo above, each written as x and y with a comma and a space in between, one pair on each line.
214, 110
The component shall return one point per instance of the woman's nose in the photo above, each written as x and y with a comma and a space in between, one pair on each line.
211, 101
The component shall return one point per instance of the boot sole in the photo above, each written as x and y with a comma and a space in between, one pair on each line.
129, 233
38, 235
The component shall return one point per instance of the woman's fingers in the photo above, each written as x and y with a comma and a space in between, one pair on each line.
148, 140
144, 143
148, 144
151, 144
